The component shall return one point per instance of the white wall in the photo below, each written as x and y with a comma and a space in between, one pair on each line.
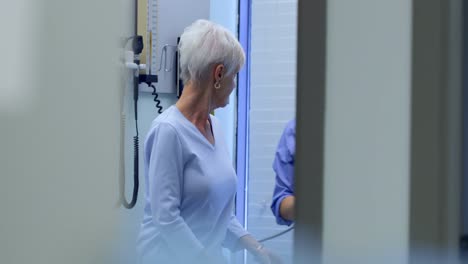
224, 12
367, 131
272, 105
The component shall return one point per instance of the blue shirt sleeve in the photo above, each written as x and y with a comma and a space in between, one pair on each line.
283, 166
165, 189
234, 233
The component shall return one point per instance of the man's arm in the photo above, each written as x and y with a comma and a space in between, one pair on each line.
287, 208
283, 195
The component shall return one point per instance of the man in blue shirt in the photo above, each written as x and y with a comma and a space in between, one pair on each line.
283, 165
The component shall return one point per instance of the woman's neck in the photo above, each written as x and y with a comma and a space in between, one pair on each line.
196, 104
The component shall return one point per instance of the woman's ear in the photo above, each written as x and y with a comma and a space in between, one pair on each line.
219, 72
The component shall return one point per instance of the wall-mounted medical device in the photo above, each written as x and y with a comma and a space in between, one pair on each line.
167, 20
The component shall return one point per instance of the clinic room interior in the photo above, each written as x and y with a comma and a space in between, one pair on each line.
234, 131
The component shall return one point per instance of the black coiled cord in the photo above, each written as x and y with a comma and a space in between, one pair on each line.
158, 102
136, 150
136, 165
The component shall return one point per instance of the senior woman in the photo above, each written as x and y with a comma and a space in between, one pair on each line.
190, 181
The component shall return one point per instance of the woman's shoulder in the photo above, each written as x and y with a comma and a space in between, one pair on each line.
167, 121
169, 117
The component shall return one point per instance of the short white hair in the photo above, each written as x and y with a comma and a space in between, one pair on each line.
204, 44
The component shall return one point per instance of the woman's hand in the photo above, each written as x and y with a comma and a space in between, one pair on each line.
261, 254
265, 256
